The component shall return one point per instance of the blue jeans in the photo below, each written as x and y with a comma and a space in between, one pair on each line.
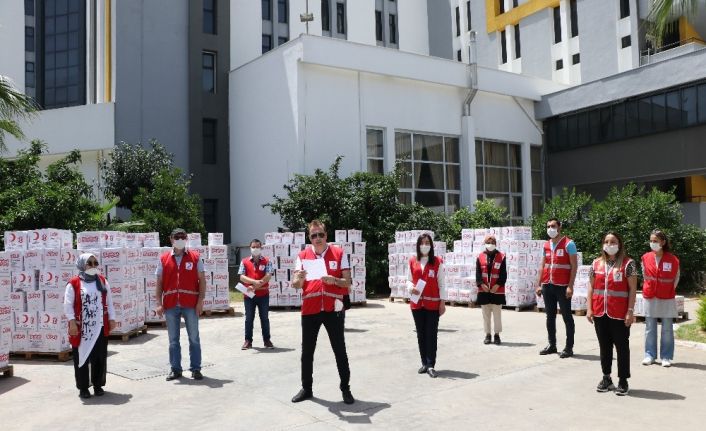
666, 348
553, 294
173, 317
263, 306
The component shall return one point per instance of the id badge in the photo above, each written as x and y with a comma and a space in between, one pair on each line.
560, 253
189, 266
333, 265
618, 276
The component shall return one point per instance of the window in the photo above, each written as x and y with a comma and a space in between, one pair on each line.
209, 141
702, 103
688, 106
29, 74
537, 179
576, 59
208, 64
431, 170
458, 21
29, 7
326, 16
626, 41
393, 28
210, 212
499, 173
266, 10
503, 48
518, 51
282, 11
557, 25
376, 155
209, 16
29, 39
574, 18
624, 8
341, 18
266, 43
468, 15
559, 64
514, 3
282, 40
378, 25
458, 55
501, 6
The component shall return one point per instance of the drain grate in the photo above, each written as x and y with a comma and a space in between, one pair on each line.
134, 370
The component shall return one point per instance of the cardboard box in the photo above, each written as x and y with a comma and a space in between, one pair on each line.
220, 279
35, 301
359, 272
5, 286
6, 313
287, 262
5, 263
90, 240
19, 341
47, 321
341, 236
68, 257
26, 321
215, 238
55, 341
357, 260
282, 275
193, 240
5, 337
150, 239
17, 301
33, 259
299, 238
15, 240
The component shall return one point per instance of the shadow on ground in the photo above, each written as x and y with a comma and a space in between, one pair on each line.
359, 413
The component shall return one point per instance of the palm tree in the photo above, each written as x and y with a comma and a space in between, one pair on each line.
14, 105
664, 12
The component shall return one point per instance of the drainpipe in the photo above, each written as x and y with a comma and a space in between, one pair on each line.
472, 60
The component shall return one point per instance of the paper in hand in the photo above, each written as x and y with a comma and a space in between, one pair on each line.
420, 288
315, 269
241, 287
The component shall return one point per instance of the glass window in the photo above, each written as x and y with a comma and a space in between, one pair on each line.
458, 56
645, 114
625, 41
266, 10
468, 15
210, 215
209, 16
266, 43
282, 11
518, 51
559, 64
341, 18
619, 121
495, 153
557, 25
606, 131
702, 103
393, 28
428, 148
378, 25
576, 58
326, 16
375, 146
209, 72
29, 39
574, 18
503, 48
282, 40
688, 106
673, 109
499, 174
458, 21
624, 8
209, 141
29, 7
452, 150
584, 129
659, 112
29, 74
632, 125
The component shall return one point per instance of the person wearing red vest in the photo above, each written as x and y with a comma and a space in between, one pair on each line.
491, 274
255, 273
425, 283
181, 287
322, 304
556, 284
88, 306
611, 300
660, 273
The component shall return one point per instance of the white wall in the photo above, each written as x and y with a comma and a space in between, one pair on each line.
12, 41
413, 24
296, 27
361, 21
245, 32
501, 118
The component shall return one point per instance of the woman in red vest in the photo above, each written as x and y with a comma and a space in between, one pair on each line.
611, 291
660, 271
88, 305
491, 274
426, 285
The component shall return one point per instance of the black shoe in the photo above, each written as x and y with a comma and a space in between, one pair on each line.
83, 393
622, 388
348, 397
432, 373
566, 353
487, 339
422, 370
98, 391
496, 340
302, 395
196, 375
548, 350
173, 375
605, 385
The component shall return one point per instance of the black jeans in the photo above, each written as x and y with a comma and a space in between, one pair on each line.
613, 332
427, 324
97, 360
553, 293
333, 322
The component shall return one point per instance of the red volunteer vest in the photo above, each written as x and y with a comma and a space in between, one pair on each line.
659, 281
180, 285
257, 272
610, 294
75, 340
557, 265
491, 279
431, 297
318, 296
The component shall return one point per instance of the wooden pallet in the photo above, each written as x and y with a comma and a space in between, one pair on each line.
461, 304
405, 300
681, 317
558, 311
230, 311
7, 371
126, 336
284, 307
519, 307
58, 356
359, 304
162, 324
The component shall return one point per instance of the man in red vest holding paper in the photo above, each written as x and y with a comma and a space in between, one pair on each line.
323, 273
556, 284
181, 287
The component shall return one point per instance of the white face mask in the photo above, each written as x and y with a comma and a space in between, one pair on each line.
92, 271
255, 252
424, 249
552, 232
180, 244
655, 246
611, 249
490, 247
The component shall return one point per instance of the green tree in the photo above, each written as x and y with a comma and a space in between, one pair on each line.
571, 209
663, 13
14, 105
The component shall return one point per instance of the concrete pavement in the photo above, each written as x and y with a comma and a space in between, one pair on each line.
479, 386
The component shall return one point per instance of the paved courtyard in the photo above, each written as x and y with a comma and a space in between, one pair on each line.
479, 387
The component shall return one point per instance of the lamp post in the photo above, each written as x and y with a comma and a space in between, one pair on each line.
306, 17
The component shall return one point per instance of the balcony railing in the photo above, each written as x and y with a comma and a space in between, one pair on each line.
672, 50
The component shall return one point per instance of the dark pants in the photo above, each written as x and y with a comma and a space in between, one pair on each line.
333, 322
427, 325
96, 360
553, 293
263, 306
613, 332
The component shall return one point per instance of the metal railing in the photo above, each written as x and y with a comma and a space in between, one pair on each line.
671, 50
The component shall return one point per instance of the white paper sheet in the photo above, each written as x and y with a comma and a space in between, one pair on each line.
241, 287
315, 268
420, 287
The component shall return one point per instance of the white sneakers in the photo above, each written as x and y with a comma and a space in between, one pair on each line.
666, 363
648, 361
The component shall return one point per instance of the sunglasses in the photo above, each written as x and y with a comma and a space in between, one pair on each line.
91, 263
317, 235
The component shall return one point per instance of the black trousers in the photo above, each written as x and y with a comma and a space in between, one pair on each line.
553, 294
334, 324
427, 324
613, 332
96, 360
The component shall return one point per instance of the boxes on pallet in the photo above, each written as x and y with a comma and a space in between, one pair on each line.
5, 337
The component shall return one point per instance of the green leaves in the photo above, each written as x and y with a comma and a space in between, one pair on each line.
14, 105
